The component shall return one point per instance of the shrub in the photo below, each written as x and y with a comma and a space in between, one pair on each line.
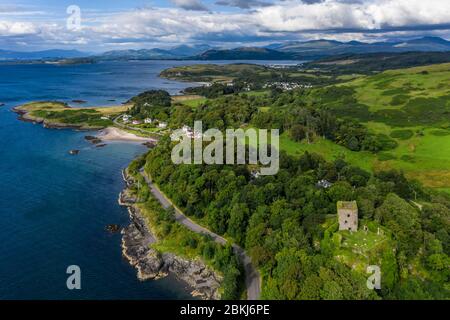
402, 134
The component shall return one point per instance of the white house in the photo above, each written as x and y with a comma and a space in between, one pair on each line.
190, 133
104, 118
162, 125
126, 118
148, 121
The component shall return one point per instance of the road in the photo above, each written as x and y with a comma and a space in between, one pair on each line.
252, 277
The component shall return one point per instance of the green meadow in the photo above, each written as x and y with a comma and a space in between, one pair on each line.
411, 106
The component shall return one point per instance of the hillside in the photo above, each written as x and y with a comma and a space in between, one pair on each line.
404, 116
46, 54
247, 53
376, 62
332, 47
380, 140
411, 106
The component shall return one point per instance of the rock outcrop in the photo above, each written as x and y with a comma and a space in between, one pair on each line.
152, 265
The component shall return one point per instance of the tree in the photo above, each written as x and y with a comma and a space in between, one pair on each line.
402, 219
298, 132
147, 103
238, 222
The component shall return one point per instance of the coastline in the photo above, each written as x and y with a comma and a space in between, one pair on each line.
25, 116
116, 134
150, 264
137, 237
109, 134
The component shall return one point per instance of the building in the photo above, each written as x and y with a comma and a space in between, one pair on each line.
324, 184
104, 118
347, 215
162, 125
136, 122
126, 118
191, 133
148, 121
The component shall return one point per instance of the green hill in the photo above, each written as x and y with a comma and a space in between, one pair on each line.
412, 106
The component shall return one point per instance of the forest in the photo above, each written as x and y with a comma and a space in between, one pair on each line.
288, 225
288, 222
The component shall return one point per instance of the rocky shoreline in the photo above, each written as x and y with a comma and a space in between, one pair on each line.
153, 265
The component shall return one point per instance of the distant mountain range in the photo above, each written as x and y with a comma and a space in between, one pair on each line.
46, 54
309, 50
245, 53
296, 50
180, 52
323, 48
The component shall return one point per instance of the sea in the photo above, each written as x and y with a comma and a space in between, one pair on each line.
54, 206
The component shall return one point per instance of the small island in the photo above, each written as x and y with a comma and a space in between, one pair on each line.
54, 114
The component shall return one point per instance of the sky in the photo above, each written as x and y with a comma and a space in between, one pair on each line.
29, 25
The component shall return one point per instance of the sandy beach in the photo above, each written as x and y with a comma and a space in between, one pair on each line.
116, 134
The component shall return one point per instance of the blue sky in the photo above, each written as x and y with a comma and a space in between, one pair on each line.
130, 24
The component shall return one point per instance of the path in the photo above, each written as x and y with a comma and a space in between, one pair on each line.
252, 277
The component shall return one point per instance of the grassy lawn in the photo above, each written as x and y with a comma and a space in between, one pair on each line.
409, 105
210, 72
329, 150
60, 114
192, 101
426, 158
395, 88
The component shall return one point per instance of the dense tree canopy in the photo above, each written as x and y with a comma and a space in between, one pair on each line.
280, 221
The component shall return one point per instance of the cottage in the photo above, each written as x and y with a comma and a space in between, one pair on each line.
191, 133
347, 215
162, 125
126, 118
148, 121
136, 122
324, 184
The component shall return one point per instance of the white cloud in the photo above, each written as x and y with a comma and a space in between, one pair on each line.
11, 28
286, 19
195, 5
293, 16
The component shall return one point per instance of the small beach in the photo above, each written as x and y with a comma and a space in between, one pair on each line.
116, 134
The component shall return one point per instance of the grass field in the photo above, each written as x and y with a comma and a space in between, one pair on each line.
395, 89
60, 115
363, 248
250, 72
410, 105
192, 101
211, 72
425, 158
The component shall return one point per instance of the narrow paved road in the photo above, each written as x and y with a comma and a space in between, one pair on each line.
252, 277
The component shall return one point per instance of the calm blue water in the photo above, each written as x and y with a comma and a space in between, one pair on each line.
54, 207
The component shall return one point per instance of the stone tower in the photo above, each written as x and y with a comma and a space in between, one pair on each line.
347, 215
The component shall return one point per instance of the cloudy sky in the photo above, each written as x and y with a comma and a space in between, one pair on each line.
129, 24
